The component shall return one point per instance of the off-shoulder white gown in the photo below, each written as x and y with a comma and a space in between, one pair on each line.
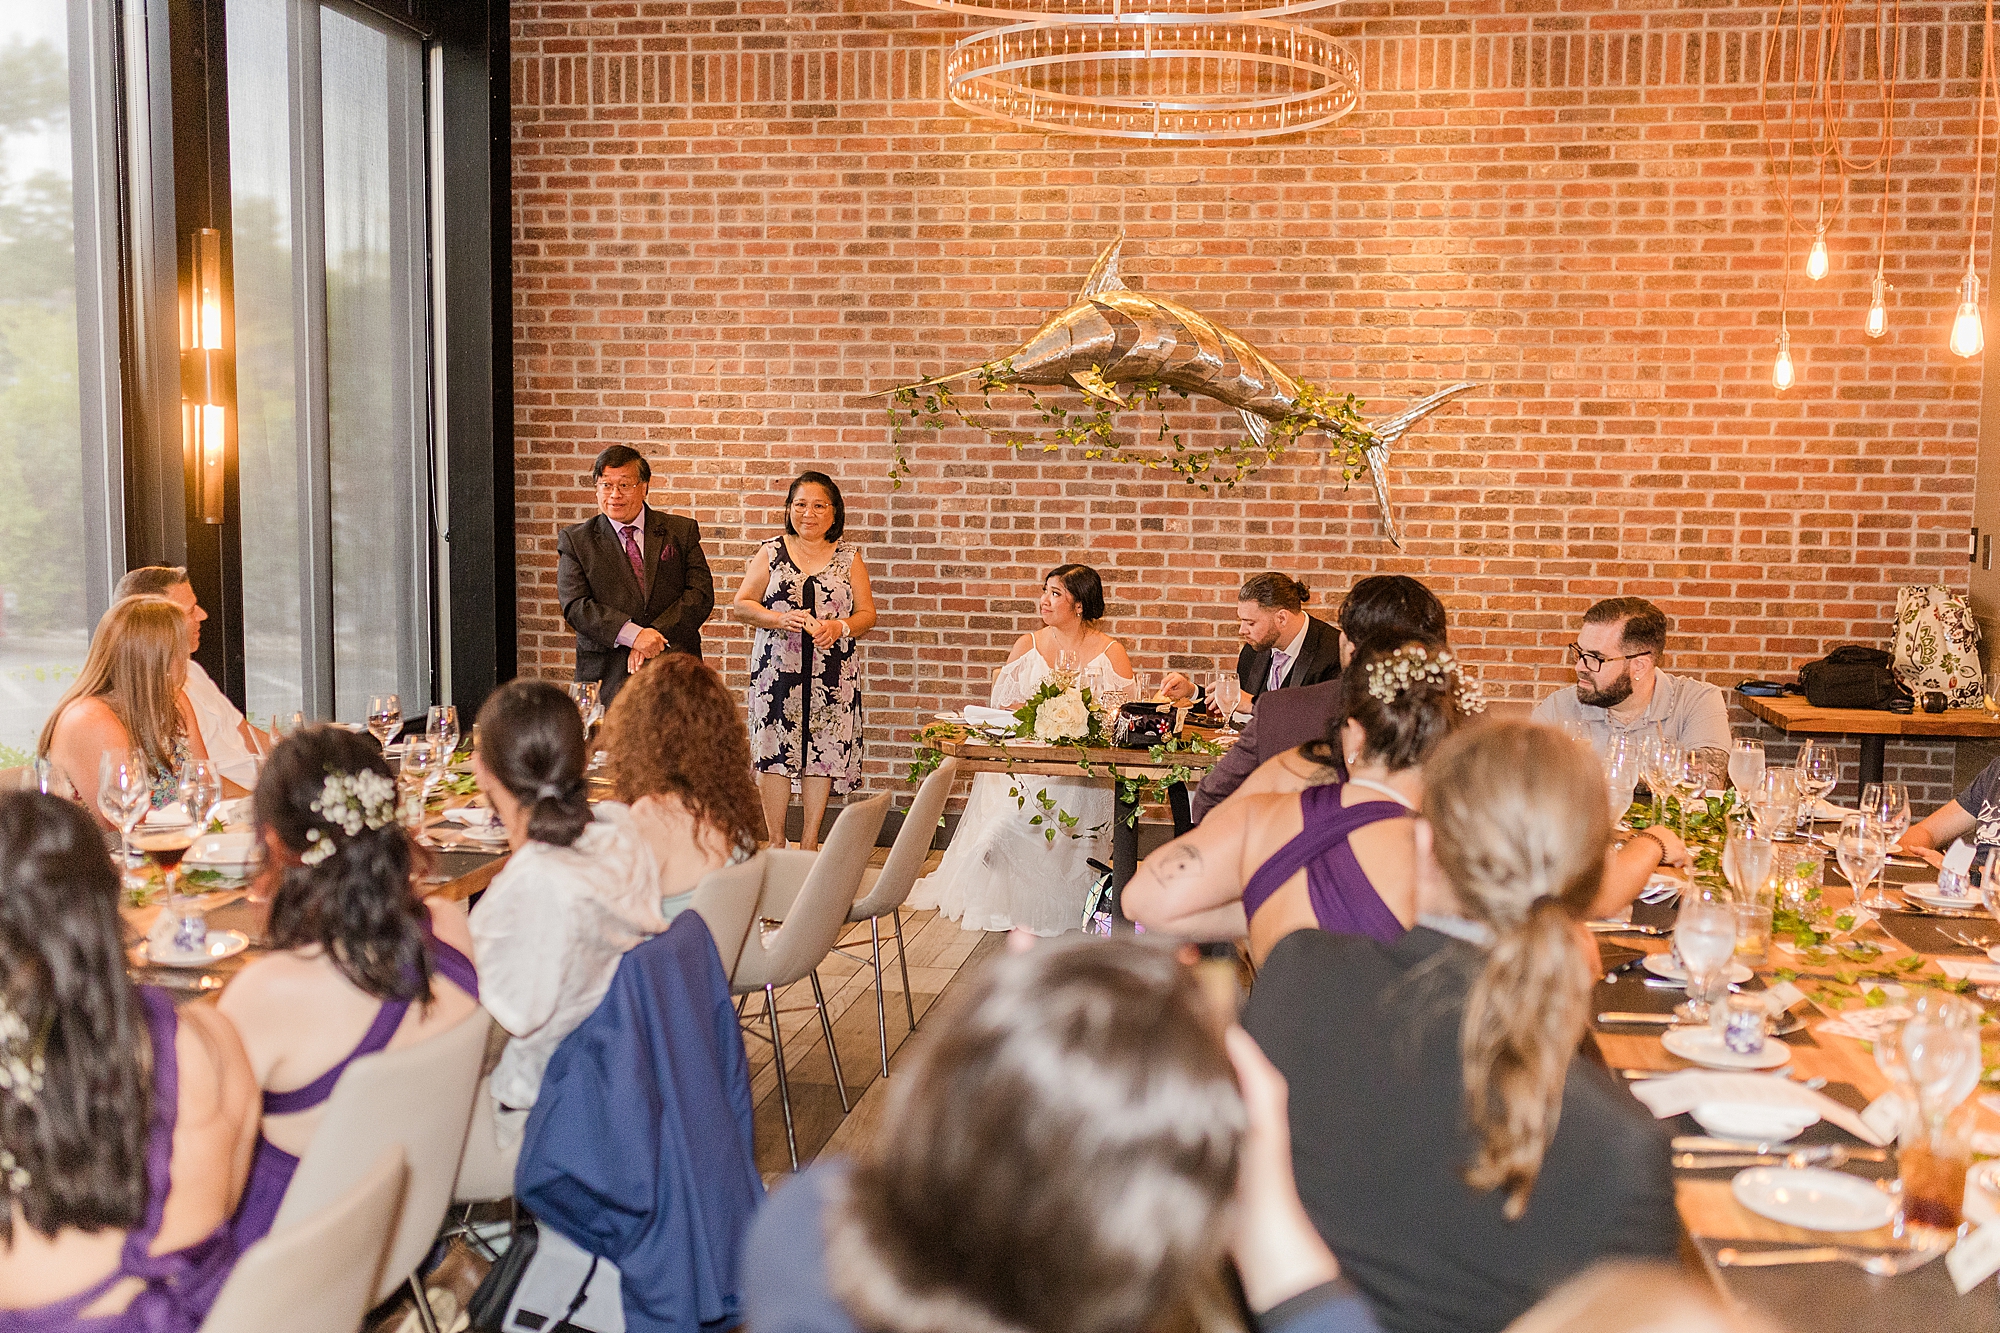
1000, 871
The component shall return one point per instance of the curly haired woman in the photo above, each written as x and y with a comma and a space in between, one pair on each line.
586, 885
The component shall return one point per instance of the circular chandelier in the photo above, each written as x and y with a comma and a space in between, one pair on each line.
1194, 70
1120, 11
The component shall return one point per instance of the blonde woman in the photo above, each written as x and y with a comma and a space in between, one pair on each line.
127, 701
1450, 1147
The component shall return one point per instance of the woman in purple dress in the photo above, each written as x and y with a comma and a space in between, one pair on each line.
360, 963
125, 1128
1341, 855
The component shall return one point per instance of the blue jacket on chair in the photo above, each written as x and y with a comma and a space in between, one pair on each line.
639, 1148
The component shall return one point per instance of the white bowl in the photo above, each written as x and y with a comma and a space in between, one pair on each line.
1750, 1122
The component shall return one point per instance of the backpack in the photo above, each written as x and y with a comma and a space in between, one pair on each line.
1851, 676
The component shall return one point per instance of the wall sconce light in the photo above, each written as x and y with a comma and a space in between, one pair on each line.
204, 399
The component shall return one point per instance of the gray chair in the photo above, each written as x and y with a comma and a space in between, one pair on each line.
418, 1098
808, 894
318, 1275
884, 890
726, 900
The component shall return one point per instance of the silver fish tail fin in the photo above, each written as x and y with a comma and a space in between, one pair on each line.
1387, 432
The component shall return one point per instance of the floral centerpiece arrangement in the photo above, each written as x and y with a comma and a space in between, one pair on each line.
1061, 712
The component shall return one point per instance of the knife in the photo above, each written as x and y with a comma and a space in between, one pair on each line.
1702, 1143
1627, 928
1650, 1020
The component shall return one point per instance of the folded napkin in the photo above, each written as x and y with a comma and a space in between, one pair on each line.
171, 815
1864, 1024
472, 816
981, 716
1679, 1093
1964, 969
1825, 809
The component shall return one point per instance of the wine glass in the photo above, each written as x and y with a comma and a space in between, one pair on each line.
1066, 664
1774, 800
1888, 804
1689, 776
1819, 771
385, 717
1862, 847
419, 775
1621, 772
1223, 696
1746, 763
1748, 853
1705, 939
200, 791
441, 725
1658, 757
124, 795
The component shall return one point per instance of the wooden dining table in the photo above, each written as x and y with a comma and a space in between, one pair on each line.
1028, 758
1834, 1297
1871, 728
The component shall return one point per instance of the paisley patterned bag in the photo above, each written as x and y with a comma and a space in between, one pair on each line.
1937, 644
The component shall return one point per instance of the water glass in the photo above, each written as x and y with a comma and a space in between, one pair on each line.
1746, 764
1747, 856
385, 717
1939, 1049
1223, 696
1705, 939
1690, 779
1862, 848
1775, 799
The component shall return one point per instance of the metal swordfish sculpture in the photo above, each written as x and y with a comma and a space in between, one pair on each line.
1113, 335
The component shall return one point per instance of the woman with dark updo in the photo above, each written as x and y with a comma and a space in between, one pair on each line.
360, 962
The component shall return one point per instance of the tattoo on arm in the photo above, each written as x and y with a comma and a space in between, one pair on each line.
1180, 865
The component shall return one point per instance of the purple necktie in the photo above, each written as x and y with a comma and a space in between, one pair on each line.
638, 561
1277, 670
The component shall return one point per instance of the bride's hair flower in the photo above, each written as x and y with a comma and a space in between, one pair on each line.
350, 802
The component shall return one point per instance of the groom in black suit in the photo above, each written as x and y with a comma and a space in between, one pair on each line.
1284, 647
633, 581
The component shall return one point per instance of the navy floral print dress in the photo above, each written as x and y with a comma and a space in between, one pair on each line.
805, 701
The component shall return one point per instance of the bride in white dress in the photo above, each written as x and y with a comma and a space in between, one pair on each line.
1000, 871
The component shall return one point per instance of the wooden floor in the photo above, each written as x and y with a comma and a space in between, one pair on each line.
939, 952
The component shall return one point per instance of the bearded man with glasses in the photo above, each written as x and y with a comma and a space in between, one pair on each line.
1620, 687
633, 582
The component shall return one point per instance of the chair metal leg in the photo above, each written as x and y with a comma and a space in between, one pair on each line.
903, 961
881, 1016
784, 1086
421, 1299
826, 1026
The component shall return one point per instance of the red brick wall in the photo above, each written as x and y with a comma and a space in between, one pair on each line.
735, 218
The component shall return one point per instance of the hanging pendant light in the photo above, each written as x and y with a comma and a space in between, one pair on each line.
1878, 309
1782, 373
1968, 333
1816, 261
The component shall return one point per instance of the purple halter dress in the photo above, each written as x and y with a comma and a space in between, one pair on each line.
271, 1167
181, 1285
1343, 901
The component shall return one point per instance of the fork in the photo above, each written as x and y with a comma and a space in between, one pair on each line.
1982, 943
1879, 1262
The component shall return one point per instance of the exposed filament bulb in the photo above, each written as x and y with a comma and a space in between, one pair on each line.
1878, 308
1816, 261
1968, 335
1782, 373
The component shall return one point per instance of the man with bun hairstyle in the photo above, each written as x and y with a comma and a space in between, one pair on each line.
1283, 645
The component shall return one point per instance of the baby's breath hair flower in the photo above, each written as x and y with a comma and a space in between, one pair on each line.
350, 802
1391, 677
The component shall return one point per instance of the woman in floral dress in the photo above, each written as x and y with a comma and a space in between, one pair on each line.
807, 593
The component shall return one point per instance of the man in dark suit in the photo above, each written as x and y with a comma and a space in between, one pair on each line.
1283, 646
633, 581
1382, 606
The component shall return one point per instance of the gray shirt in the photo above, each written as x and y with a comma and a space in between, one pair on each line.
1688, 712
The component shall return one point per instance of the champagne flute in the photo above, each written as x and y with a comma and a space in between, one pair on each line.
124, 795
1705, 939
1862, 847
1746, 763
385, 717
1689, 775
1658, 757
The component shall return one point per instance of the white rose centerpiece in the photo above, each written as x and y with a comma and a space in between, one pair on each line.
1062, 718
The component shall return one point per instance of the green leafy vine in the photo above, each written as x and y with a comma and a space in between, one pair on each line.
1090, 428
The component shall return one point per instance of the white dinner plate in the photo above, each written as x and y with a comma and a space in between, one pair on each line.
221, 944
1703, 1045
1663, 965
1813, 1198
222, 851
1754, 1122
1928, 895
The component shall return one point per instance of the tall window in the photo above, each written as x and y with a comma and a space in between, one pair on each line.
329, 208
45, 600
